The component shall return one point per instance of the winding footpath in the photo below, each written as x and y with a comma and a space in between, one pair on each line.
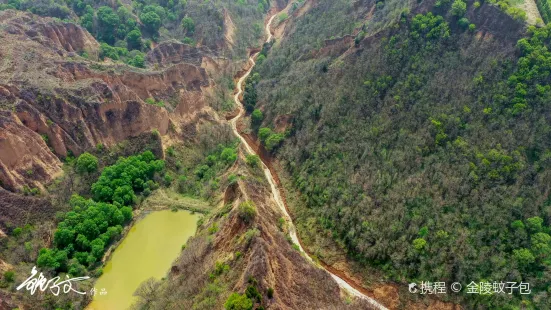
344, 284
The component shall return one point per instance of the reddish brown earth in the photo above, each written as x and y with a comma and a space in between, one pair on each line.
53, 101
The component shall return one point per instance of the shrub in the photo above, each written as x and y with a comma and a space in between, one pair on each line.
463, 22
260, 59
283, 16
253, 160
9, 276
247, 211
253, 293
238, 302
229, 155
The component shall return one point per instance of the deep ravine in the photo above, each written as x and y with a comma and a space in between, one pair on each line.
344, 283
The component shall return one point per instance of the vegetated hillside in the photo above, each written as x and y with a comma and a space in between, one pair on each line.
424, 147
124, 26
241, 256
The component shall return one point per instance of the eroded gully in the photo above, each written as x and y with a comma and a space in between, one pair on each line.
345, 283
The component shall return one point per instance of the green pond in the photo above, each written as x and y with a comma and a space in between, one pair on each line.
148, 250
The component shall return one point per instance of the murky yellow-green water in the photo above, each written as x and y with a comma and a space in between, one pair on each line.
147, 251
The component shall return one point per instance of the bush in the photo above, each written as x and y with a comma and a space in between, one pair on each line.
264, 133
9, 276
463, 22
274, 141
86, 163
253, 160
247, 211
229, 155
238, 302
283, 16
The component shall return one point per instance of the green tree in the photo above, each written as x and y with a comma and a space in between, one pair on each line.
86, 163
124, 195
264, 133
188, 25
63, 237
53, 259
459, 8
126, 213
134, 40
256, 117
534, 224
88, 228
108, 22
151, 20
98, 247
524, 257
541, 246
274, 141
87, 20
419, 244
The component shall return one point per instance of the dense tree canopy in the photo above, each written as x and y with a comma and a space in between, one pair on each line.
84, 233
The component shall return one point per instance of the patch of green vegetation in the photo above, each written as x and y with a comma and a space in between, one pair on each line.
84, 233
253, 160
202, 180
246, 301
152, 101
86, 163
507, 7
247, 211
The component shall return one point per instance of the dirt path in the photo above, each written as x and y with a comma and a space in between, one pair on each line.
349, 285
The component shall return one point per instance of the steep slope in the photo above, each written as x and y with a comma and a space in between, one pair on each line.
420, 148
57, 103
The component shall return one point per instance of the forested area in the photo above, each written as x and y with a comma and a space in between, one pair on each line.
545, 9
128, 30
85, 232
426, 152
